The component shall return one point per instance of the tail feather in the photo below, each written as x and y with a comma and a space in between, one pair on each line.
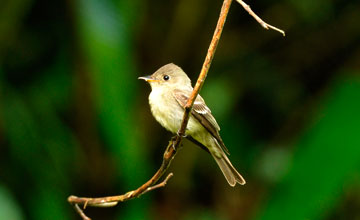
230, 173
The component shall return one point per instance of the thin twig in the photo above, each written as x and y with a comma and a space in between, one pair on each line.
160, 185
174, 143
81, 212
258, 19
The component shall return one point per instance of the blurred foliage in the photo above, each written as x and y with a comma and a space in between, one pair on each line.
74, 119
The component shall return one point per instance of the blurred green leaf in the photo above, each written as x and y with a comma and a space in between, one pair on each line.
9, 209
42, 149
327, 159
108, 44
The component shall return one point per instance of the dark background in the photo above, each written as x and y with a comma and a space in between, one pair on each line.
74, 119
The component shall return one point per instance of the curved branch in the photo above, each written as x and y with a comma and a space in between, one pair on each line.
110, 201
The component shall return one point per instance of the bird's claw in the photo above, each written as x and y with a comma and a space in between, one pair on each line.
174, 139
176, 148
173, 146
181, 135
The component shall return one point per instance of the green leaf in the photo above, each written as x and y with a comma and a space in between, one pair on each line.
9, 209
326, 160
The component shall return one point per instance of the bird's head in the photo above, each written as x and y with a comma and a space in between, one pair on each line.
169, 75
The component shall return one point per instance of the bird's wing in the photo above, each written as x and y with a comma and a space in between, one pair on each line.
202, 113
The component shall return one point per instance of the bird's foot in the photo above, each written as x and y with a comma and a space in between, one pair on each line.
173, 141
176, 147
181, 135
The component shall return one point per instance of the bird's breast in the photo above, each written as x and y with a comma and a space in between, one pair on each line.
166, 110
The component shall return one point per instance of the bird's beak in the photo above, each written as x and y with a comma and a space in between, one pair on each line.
148, 78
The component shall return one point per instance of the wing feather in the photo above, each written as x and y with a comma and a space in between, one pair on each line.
202, 113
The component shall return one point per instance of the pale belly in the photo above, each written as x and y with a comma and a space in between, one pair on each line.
168, 112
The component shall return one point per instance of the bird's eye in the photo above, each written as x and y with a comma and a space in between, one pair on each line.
166, 77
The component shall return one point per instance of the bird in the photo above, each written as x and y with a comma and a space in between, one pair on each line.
170, 91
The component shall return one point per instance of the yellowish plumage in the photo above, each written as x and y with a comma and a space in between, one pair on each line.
170, 85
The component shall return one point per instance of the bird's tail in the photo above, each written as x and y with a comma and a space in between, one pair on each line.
230, 173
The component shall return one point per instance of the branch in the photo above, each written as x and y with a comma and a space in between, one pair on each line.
205, 68
174, 143
258, 19
110, 201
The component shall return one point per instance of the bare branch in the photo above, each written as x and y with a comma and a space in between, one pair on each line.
81, 212
258, 19
160, 185
110, 201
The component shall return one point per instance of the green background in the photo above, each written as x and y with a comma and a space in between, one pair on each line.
74, 119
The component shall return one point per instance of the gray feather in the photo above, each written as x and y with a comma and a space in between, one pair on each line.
230, 173
202, 113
